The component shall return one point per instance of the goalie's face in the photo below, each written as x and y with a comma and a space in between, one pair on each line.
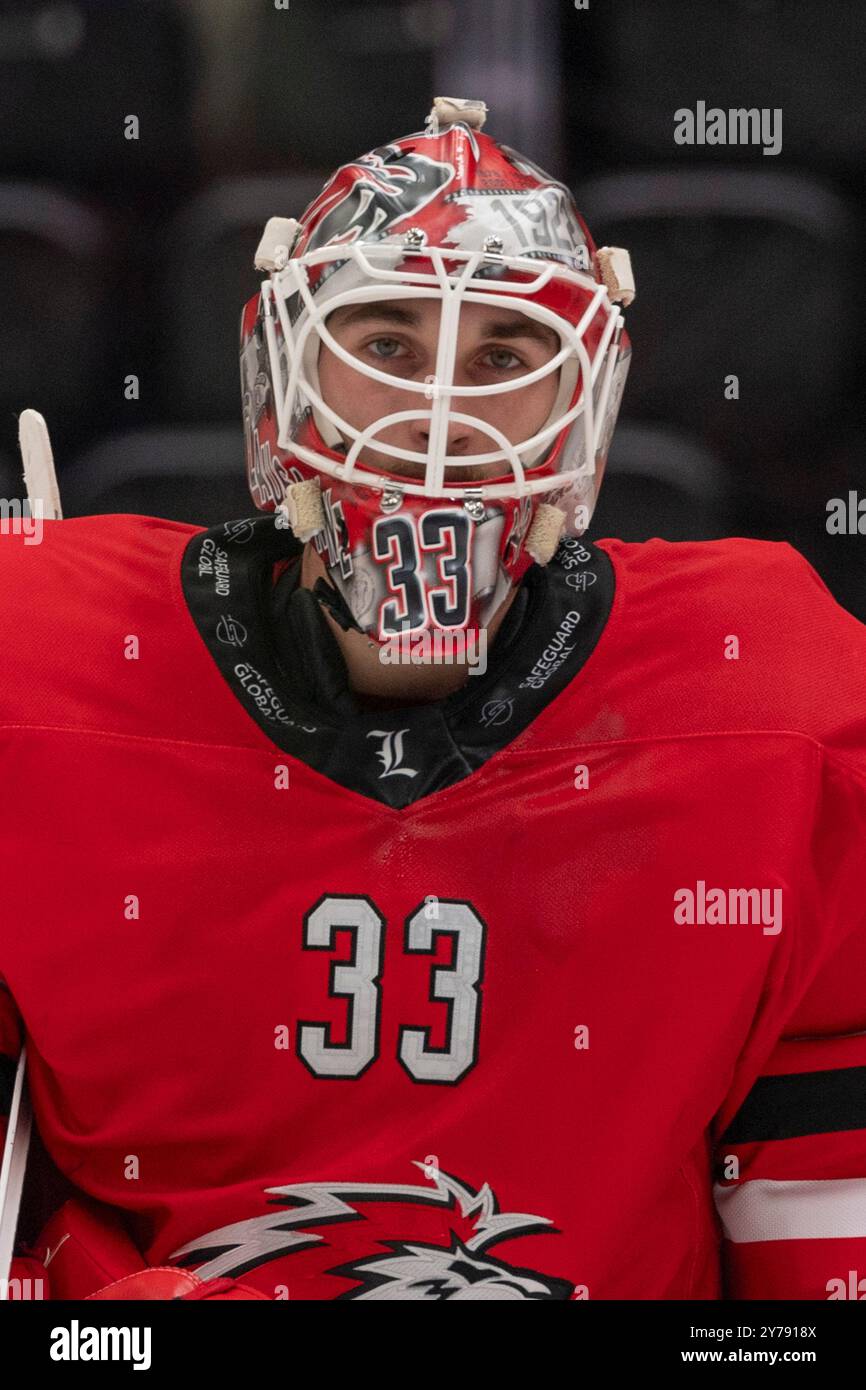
495, 344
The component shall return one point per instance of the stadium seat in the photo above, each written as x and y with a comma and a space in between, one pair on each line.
659, 482
59, 259
11, 478
192, 475
793, 55
739, 274
372, 78
209, 249
801, 516
72, 73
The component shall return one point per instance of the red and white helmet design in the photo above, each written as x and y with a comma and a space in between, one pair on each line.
446, 214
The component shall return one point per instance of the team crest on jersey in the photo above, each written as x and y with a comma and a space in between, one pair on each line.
349, 1231
391, 753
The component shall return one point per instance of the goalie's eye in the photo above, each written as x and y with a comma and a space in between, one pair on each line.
385, 348
503, 360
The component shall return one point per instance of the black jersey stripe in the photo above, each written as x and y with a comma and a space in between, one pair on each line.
788, 1107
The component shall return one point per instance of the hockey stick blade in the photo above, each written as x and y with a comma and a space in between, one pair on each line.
12, 1170
38, 460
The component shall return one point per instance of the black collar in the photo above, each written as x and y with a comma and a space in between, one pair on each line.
275, 650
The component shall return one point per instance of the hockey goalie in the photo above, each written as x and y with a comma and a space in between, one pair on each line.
406, 896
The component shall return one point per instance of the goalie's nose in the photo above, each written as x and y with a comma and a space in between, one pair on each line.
458, 437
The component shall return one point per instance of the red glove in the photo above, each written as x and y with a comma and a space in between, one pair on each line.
164, 1281
89, 1255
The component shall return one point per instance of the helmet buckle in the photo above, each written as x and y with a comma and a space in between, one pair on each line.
392, 500
473, 504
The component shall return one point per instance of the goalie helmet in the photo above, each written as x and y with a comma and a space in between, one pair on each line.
449, 215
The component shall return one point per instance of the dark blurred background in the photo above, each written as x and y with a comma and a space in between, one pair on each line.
125, 262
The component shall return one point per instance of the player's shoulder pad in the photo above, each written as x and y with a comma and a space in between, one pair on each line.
60, 580
38, 556
771, 580
798, 656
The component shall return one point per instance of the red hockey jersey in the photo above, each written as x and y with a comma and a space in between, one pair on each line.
553, 989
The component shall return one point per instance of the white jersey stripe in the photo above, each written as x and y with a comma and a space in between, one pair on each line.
813, 1209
